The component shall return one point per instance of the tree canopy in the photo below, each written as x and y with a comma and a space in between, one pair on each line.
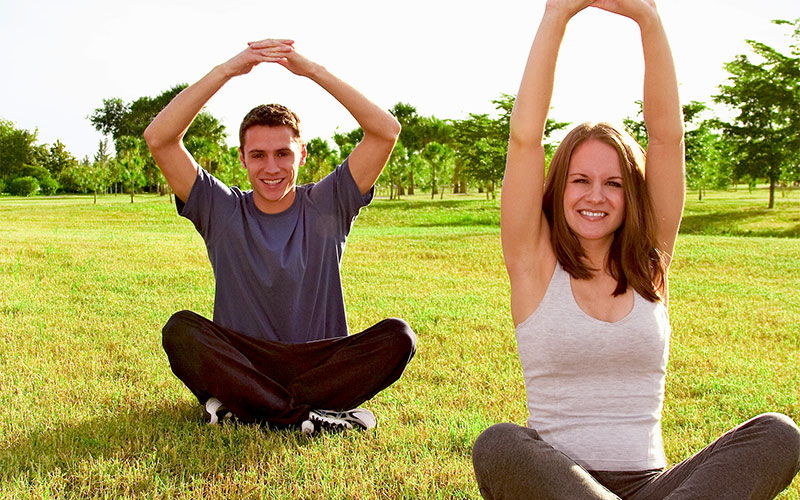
764, 136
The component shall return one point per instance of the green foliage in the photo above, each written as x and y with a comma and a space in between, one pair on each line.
347, 142
765, 135
20, 156
440, 160
46, 182
321, 159
132, 173
481, 144
126, 123
15, 148
57, 159
49, 186
708, 154
231, 171
23, 186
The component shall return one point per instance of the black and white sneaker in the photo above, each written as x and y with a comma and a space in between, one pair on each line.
214, 412
358, 418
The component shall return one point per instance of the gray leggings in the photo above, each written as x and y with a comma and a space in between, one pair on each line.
755, 460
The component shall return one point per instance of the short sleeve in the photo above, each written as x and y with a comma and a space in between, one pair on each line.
339, 190
209, 204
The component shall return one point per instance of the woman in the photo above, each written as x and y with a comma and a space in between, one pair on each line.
588, 255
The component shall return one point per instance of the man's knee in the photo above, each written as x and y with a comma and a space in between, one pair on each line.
403, 338
179, 330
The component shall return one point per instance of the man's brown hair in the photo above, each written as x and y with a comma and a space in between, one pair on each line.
269, 115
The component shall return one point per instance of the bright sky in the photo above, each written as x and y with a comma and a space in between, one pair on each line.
59, 59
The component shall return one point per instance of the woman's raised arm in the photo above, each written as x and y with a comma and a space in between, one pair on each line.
663, 117
523, 225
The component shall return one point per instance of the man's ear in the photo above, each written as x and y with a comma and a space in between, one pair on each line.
241, 158
303, 154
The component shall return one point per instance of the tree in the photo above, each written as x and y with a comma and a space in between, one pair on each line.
57, 158
707, 152
320, 161
126, 122
765, 134
231, 171
438, 157
393, 172
132, 173
481, 143
45, 182
347, 142
23, 186
411, 135
16, 147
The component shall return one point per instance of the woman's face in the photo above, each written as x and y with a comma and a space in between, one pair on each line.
594, 198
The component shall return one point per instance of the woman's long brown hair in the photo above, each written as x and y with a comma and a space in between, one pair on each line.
633, 259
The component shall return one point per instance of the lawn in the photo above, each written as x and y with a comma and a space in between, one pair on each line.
90, 409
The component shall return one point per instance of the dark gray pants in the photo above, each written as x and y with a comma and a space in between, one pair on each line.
755, 460
270, 382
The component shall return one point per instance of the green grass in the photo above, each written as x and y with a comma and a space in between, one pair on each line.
90, 409
743, 213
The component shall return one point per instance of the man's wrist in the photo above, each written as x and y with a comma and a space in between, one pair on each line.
222, 72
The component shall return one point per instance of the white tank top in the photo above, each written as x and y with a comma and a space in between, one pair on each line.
596, 389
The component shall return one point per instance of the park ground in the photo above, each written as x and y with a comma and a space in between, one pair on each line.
90, 409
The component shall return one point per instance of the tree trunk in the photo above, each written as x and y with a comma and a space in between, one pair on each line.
771, 193
411, 182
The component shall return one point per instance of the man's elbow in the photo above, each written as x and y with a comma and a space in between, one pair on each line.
391, 130
156, 140
151, 137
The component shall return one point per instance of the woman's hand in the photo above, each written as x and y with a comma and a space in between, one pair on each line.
638, 10
568, 8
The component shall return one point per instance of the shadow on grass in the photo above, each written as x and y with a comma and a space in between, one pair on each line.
438, 213
728, 224
171, 445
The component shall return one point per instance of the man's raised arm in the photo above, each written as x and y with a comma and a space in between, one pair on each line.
165, 134
381, 129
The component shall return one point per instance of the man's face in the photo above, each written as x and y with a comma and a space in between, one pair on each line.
272, 156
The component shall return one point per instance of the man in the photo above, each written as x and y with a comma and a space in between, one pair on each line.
278, 349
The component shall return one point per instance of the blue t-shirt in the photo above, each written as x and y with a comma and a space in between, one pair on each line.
277, 275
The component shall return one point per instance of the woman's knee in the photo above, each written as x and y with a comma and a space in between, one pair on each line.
494, 443
781, 438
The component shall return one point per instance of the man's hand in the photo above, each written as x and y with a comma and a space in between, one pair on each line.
283, 53
270, 50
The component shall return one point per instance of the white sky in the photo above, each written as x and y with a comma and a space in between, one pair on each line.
59, 59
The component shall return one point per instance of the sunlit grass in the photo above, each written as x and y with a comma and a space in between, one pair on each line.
90, 409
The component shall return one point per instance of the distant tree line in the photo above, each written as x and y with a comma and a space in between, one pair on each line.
434, 155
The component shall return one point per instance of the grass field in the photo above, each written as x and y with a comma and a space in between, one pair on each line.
90, 409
